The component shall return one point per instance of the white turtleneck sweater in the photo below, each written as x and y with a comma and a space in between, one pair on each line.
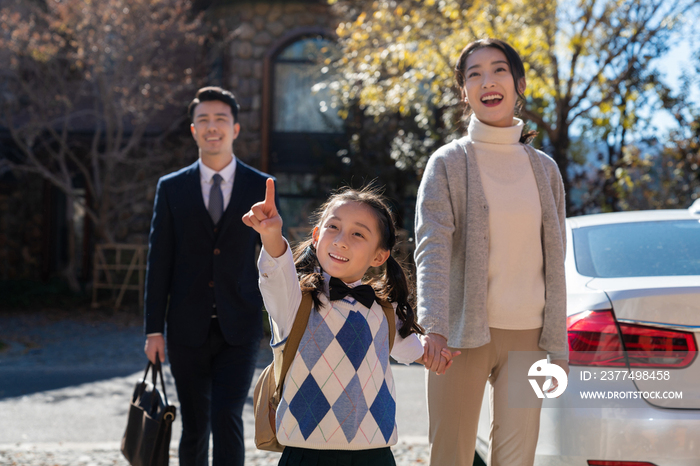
515, 299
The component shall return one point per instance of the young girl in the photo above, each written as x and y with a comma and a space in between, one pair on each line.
338, 404
490, 244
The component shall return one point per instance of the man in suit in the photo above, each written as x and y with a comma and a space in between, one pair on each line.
201, 281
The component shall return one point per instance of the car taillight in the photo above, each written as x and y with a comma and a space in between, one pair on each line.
619, 463
657, 347
594, 340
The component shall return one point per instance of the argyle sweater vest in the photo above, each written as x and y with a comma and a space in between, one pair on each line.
339, 392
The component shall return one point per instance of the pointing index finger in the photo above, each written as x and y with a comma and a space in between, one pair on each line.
270, 194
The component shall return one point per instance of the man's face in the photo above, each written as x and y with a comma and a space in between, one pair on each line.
213, 128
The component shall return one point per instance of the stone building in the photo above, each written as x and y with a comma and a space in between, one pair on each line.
286, 130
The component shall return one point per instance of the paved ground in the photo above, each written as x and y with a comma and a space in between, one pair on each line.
65, 382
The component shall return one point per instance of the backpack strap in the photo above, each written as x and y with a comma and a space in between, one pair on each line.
389, 313
293, 340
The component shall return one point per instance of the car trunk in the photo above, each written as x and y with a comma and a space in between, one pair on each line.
671, 304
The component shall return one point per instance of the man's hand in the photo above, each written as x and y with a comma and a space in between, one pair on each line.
155, 344
264, 218
435, 353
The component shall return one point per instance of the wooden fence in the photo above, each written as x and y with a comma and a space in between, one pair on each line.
119, 268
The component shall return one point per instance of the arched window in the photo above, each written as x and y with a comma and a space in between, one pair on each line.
306, 129
301, 101
305, 132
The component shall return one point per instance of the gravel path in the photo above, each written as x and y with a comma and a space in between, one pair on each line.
109, 455
65, 381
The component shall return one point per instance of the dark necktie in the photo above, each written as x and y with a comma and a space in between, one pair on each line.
216, 199
363, 293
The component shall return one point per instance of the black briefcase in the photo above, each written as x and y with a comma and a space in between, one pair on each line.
146, 441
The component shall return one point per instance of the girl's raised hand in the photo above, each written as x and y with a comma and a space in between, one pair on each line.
264, 218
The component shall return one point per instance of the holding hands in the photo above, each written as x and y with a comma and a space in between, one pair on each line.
437, 357
264, 218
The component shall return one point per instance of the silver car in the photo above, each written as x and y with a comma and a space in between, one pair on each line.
633, 394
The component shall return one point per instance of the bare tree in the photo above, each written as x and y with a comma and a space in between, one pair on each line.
606, 70
90, 91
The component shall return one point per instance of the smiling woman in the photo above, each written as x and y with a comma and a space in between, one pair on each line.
490, 88
494, 79
482, 248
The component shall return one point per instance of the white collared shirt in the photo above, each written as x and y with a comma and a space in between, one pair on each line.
205, 178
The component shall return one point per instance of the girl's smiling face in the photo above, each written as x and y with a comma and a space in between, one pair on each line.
347, 241
489, 87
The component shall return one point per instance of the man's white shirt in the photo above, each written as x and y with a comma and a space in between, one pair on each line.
205, 179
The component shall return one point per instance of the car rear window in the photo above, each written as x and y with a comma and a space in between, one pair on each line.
642, 249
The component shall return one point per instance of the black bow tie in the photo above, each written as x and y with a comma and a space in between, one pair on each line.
363, 293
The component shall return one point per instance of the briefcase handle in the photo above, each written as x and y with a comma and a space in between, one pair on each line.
157, 369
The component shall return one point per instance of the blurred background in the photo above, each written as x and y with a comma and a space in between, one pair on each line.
93, 97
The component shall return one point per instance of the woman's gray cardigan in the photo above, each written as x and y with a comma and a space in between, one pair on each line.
452, 248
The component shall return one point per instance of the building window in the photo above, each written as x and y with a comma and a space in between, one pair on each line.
302, 97
307, 134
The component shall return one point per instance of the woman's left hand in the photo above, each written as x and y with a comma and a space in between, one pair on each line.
437, 357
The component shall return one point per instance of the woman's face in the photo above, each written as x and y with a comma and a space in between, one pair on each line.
489, 87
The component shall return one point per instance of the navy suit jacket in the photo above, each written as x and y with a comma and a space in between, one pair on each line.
193, 264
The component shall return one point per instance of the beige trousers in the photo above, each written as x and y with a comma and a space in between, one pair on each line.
454, 402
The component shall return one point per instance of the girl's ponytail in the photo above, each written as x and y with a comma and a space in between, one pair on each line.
309, 270
393, 287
